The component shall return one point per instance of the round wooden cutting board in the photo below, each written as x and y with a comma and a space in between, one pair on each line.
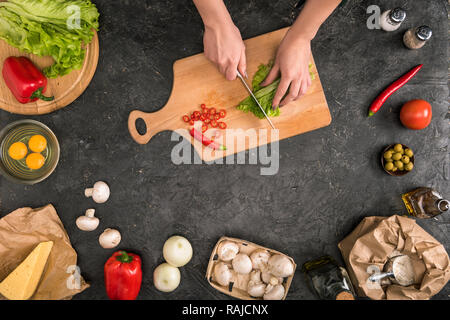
65, 89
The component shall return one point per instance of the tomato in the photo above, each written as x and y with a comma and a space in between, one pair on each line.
222, 125
197, 114
222, 113
204, 128
216, 116
186, 118
212, 110
202, 117
203, 106
207, 120
191, 122
212, 117
416, 114
214, 123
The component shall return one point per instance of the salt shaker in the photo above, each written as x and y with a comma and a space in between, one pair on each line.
415, 38
390, 20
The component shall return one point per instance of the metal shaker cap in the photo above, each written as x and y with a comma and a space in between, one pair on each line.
397, 15
443, 205
424, 33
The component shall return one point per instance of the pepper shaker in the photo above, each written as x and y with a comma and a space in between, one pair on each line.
390, 20
415, 38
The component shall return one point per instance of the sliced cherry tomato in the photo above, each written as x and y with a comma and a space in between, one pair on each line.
222, 113
212, 117
186, 118
204, 128
214, 123
216, 116
197, 114
207, 120
206, 115
203, 106
192, 116
222, 125
202, 117
191, 122
212, 110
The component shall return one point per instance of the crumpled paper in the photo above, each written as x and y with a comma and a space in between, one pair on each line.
376, 239
21, 231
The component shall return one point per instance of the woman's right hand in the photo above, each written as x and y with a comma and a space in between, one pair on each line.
223, 46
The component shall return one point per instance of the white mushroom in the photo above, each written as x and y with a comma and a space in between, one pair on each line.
227, 250
242, 264
280, 266
87, 222
110, 238
274, 292
99, 192
222, 274
267, 277
256, 288
259, 258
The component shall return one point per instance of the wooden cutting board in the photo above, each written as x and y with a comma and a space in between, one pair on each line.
197, 81
65, 89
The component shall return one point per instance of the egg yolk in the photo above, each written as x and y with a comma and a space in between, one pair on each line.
18, 150
37, 143
35, 161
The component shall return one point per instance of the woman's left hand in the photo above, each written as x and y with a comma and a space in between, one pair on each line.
292, 61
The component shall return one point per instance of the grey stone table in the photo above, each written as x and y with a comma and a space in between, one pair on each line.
328, 179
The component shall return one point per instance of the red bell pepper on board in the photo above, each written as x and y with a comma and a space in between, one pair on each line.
394, 86
123, 276
26, 82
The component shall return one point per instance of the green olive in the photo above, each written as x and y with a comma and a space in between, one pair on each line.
402, 151
394, 169
387, 155
397, 156
391, 150
405, 159
409, 166
399, 164
389, 166
398, 147
388, 160
409, 152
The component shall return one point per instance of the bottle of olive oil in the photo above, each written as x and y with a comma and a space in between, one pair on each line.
328, 279
425, 203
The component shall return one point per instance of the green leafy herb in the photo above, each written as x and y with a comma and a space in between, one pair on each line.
42, 27
264, 95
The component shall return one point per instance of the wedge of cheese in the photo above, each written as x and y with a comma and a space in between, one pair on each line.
23, 281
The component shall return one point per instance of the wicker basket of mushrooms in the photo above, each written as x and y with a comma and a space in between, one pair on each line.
248, 271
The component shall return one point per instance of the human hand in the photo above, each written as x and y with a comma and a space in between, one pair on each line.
292, 61
223, 46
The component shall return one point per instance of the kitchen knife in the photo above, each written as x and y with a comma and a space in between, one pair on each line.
253, 96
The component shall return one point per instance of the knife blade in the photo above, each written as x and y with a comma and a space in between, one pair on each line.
254, 98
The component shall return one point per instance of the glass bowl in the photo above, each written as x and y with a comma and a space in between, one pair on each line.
17, 170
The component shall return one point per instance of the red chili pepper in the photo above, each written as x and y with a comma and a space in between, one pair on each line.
206, 141
26, 82
123, 276
381, 99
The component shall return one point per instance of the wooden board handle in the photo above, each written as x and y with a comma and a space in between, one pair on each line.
151, 128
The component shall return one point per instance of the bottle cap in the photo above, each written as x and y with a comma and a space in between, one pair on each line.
443, 205
397, 15
424, 33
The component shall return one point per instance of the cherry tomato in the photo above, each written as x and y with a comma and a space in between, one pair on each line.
216, 116
202, 117
204, 128
203, 106
222, 125
207, 120
212, 110
222, 113
197, 114
186, 118
212, 117
214, 123
416, 114
191, 122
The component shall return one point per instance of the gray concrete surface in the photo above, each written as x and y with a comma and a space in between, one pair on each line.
328, 180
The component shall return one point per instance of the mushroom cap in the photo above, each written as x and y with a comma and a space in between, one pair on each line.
280, 266
274, 292
242, 264
260, 258
100, 192
222, 274
86, 223
110, 238
227, 250
256, 289
267, 277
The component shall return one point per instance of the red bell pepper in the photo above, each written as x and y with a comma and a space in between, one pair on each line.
123, 276
394, 86
26, 82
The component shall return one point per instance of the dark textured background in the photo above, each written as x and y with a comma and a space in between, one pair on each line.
328, 179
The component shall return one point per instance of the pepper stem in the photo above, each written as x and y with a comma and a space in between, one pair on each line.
124, 257
371, 113
38, 94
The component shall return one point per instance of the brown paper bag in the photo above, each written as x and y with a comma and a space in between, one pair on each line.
21, 231
376, 239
